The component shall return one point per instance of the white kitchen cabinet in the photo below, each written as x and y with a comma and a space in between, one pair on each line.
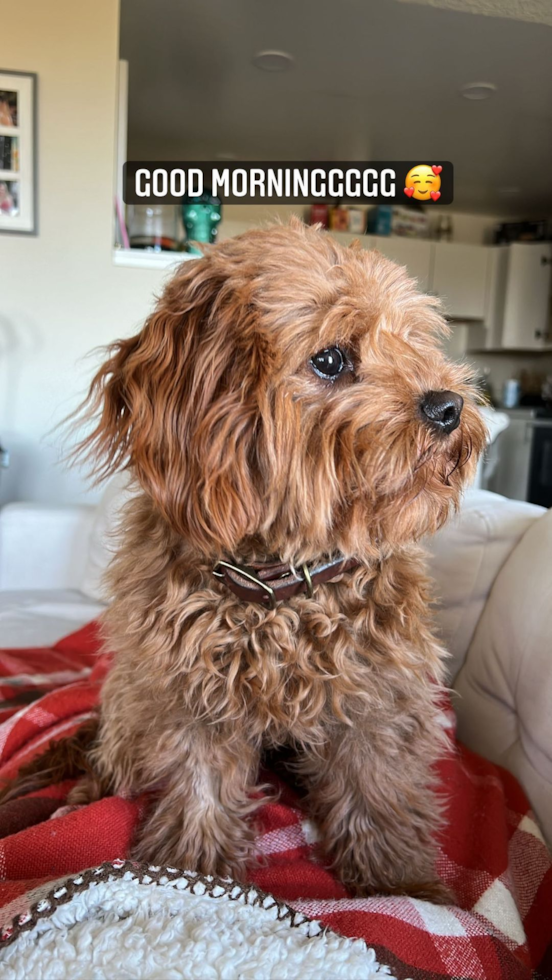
410, 252
459, 279
518, 301
526, 316
413, 253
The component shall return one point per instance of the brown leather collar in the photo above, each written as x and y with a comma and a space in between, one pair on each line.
273, 582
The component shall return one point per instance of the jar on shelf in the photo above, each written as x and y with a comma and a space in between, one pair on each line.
153, 228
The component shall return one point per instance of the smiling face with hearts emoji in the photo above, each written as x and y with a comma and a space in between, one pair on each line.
423, 182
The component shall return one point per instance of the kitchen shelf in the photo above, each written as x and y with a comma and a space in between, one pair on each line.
140, 258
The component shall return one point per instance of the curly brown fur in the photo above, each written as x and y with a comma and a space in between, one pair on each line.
239, 450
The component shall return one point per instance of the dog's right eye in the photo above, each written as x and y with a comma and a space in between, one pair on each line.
329, 363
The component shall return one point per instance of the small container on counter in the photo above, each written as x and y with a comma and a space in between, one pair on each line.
357, 221
511, 391
319, 215
379, 220
410, 222
339, 218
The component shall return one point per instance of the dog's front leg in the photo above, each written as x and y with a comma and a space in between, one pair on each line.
198, 821
201, 776
371, 795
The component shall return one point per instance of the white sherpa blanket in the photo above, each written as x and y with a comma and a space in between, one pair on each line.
123, 926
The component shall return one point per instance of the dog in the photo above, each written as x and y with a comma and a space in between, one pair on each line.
293, 429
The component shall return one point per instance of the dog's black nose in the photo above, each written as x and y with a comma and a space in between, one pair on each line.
442, 409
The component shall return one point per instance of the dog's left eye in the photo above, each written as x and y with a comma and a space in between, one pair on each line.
329, 363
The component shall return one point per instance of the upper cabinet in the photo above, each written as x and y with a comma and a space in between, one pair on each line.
518, 306
459, 279
457, 274
410, 252
526, 318
504, 290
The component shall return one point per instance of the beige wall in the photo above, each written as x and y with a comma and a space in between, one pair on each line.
60, 294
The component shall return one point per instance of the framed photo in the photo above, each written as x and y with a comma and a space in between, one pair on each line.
18, 197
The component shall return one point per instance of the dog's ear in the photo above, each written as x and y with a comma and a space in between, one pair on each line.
179, 404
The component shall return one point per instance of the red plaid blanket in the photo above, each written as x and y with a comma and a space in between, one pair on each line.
492, 853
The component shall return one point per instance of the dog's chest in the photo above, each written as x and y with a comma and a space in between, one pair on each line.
283, 669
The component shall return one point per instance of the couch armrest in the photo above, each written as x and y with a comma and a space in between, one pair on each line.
43, 547
465, 558
505, 685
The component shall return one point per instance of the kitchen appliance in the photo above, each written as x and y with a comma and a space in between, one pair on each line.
521, 231
524, 467
540, 463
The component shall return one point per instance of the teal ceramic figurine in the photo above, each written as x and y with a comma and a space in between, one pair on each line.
201, 216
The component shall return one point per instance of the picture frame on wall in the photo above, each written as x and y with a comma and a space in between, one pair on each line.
18, 144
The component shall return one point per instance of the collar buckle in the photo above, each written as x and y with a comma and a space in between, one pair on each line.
247, 574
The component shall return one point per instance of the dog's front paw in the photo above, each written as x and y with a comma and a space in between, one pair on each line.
157, 842
186, 860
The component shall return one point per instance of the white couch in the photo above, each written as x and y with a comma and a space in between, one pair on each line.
492, 568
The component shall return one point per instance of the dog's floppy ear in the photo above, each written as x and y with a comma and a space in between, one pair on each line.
177, 403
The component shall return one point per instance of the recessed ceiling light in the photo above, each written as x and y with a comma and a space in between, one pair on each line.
273, 60
478, 91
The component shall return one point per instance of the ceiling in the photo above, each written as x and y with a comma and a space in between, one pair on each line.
371, 79
538, 11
